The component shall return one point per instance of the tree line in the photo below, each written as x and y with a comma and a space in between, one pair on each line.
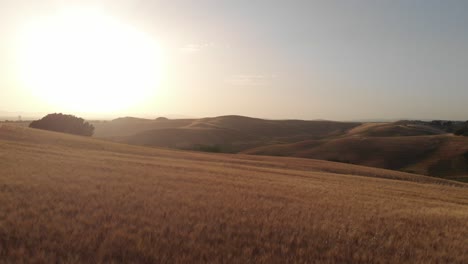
64, 123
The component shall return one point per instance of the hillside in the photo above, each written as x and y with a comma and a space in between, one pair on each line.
71, 199
411, 146
420, 149
129, 126
229, 133
394, 129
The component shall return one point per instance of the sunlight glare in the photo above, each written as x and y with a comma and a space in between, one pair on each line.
83, 60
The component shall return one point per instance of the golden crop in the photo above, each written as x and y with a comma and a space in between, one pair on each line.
68, 199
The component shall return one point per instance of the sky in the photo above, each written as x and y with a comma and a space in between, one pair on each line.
336, 60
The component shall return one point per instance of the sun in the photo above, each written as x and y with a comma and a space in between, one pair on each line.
86, 61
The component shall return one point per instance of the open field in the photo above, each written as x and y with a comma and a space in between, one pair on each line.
71, 199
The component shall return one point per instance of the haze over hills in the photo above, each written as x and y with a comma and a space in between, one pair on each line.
228, 133
412, 146
75, 199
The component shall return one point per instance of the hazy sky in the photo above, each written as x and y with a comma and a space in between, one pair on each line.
338, 60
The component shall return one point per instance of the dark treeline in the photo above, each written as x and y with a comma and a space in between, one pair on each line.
462, 130
459, 128
64, 123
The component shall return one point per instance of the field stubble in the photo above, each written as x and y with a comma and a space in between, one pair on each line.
68, 199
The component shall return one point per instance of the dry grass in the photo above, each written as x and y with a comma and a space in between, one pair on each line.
68, 199
437, 155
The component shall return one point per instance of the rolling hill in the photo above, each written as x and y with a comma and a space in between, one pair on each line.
418, 149
404, 145
394, 129
71, 199
228, 133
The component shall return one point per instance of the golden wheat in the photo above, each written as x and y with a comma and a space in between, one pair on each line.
67, 199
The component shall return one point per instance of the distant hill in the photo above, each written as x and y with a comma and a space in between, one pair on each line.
128, 126
229, 133
395, 129
415, 146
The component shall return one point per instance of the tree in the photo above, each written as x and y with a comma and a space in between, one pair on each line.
463, 130
64, 123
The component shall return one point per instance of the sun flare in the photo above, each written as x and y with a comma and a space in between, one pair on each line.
86, 61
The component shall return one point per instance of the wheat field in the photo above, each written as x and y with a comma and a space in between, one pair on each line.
69, 199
